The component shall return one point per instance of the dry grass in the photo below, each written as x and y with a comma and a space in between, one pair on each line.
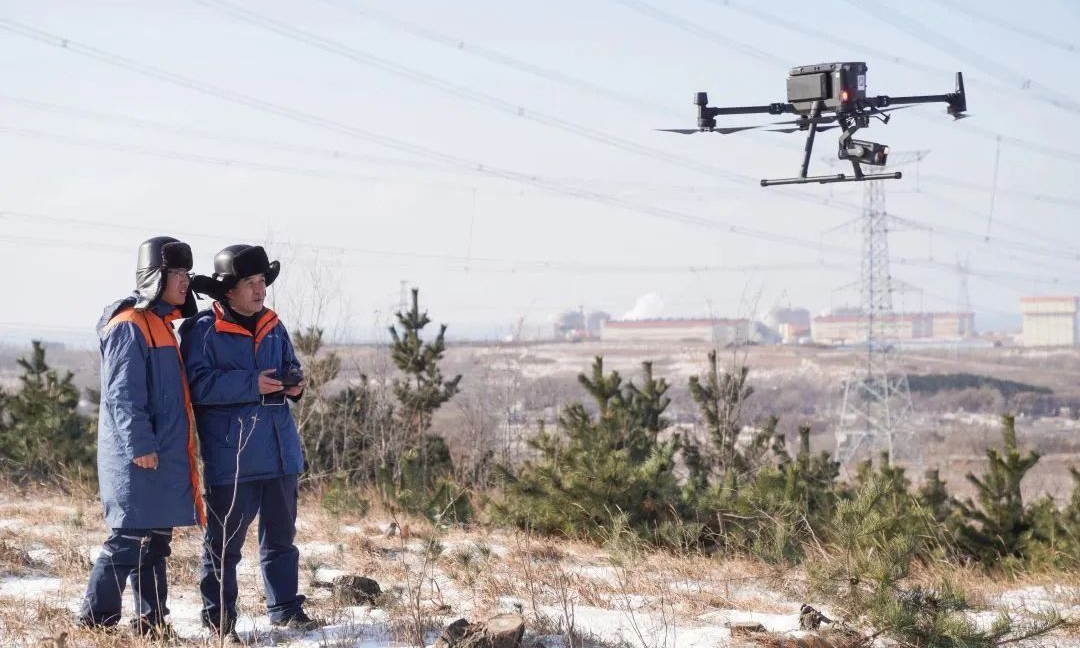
433, 575
13, 559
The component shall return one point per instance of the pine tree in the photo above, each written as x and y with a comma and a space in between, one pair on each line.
810, 482
867, 561
754, 497
779, 506
897, 501
934, 497
720, 398
865, 570
997, 524
41, 430
647, 403
420, 477
423, 390
322, 431
1070, 523
599, 466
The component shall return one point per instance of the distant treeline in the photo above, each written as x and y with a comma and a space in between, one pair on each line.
934, 383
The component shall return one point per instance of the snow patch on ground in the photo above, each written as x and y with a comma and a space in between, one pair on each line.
318, 548
1062, 598
41, 554
325, 574
982, 420
29, 586
617, 614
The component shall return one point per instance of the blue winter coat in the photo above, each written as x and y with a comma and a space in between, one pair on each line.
145, 409
223, 362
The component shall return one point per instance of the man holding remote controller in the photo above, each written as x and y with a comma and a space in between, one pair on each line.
243, 370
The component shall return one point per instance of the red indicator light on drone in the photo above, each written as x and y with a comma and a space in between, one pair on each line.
844, 96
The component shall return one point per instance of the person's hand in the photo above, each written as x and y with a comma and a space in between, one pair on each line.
295, 390
268, 385
146, 461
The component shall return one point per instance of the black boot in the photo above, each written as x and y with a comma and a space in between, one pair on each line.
227, 632
155, 630
299, 621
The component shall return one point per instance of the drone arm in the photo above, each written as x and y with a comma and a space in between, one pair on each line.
957, 100
884, 101
771, 109
707, 114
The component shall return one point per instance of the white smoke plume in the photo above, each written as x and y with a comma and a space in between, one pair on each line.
648, 306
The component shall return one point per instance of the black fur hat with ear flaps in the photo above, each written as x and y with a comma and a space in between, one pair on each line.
156, 257
232, 264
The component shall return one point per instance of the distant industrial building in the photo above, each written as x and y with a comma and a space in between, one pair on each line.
790, 324
837, 329
1048, 321
952, 326
712, 331
849, 328
574, 325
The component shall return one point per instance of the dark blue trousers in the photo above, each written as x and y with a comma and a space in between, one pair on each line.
135, 554
228, 519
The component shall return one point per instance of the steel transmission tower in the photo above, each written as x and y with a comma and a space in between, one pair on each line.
876, 409
963, 295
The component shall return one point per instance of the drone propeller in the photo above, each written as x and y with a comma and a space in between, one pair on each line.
802, 122
796, 130
727, 130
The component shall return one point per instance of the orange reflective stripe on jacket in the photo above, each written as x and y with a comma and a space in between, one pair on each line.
263, 327
158, 333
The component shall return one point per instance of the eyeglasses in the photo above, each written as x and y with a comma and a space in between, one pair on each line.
181, 273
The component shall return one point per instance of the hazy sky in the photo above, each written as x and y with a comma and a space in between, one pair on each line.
351, 218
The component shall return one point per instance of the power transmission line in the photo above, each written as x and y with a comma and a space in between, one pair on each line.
556, 76
499, 58
1030, 196
1027, 145
199, 133
508, 265
1068, 253
827, 37
949, 45
963, 209
861, 46
703, 33
396, 144
953, 232
166, 154
1008, 25
514, 265
383, 140
495, 102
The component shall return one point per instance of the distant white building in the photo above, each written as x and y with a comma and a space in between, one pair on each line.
952, 326
721, 331
837, 329
1049, 321
849, 328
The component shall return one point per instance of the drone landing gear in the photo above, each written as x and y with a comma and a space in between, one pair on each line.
849, 126
829, 179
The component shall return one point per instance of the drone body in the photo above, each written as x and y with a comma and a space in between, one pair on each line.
825, 96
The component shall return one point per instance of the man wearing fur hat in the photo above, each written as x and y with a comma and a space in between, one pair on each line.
242, 369
147, 467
